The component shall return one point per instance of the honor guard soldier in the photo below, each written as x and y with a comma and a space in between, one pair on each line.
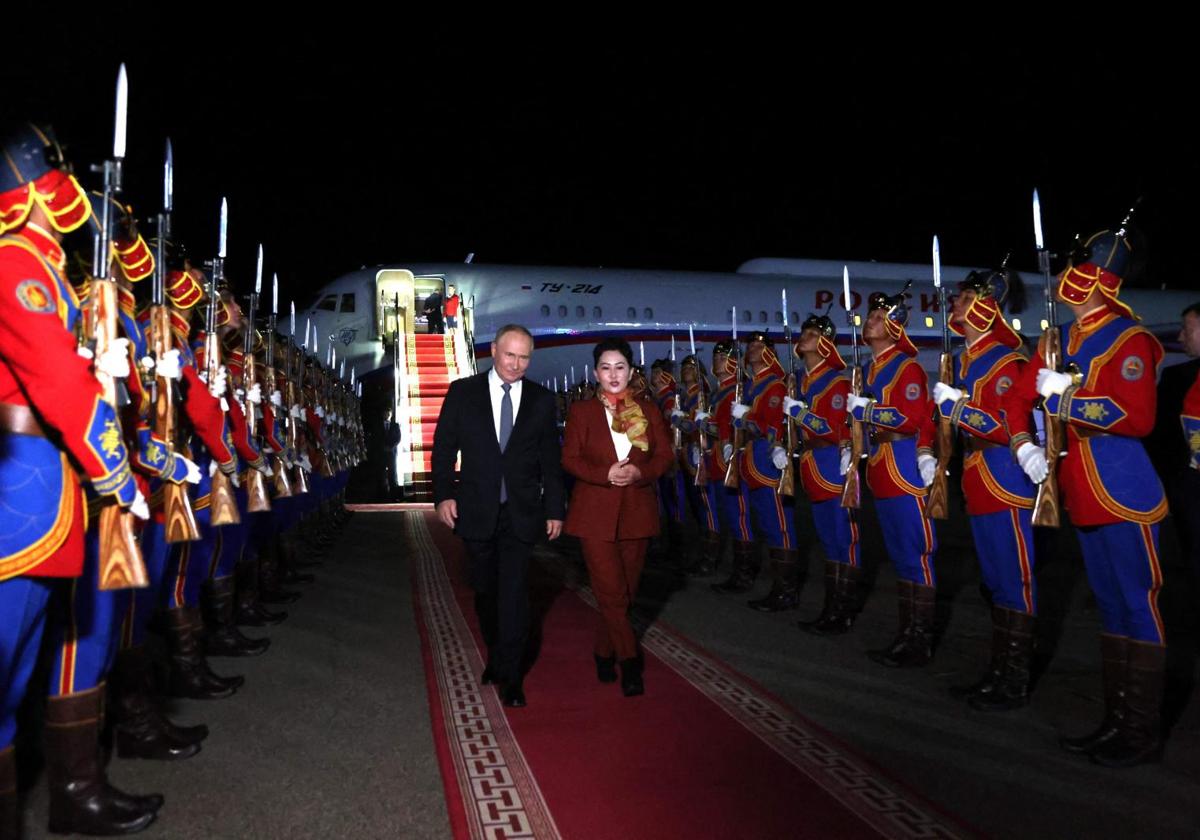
51, 410
671, 486
999, 495
697, 447
734, 516
820, 413
901, 466
763, 458
1105, 398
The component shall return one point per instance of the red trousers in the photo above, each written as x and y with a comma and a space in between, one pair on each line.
615, 568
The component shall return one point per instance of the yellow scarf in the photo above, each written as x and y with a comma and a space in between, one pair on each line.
628, 418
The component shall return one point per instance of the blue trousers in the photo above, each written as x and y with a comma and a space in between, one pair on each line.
909, 538
156, 552
1004, 543
838, 531
734, 506
674, 498
23, 605
1125, 575
774, 517
703, 501
86, 640
191, 563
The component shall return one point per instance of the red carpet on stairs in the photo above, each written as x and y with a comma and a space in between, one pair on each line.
704, 754
431, 369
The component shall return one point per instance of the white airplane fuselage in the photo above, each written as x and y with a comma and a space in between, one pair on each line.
569, 309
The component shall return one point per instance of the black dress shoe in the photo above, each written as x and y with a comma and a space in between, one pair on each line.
513, 695
606, 668
489, 676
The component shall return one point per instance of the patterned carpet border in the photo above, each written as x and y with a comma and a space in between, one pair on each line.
500, 797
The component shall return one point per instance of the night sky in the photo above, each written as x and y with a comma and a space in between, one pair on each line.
338, 152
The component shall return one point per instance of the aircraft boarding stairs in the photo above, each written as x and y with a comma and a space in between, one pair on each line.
431, 367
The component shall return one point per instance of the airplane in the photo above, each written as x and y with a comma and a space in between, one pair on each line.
569, 309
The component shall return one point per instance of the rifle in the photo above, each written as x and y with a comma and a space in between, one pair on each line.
787, 481
851, 493
732, 473
299, 480
1046, 505
257, 499
121, 564
283, 487
223, 502
678, 436
937, 505
701, 477
179, 520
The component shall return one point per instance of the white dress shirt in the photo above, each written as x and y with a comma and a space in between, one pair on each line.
497, 394
620, 440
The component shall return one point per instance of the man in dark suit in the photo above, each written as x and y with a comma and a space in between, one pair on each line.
508, 493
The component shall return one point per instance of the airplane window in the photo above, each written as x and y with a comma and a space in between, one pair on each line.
328, 303
348, 303
562, 312
632, 313
545, 310
596, 312
579, 310
648, 312
762, 317
795, 319
746, 316
778, 317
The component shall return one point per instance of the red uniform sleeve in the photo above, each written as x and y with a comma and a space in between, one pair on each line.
270, 430
826, 418
43, 370
907, 410
241, 436
1019, 403
983, 415
765, 417
1122, 398
204, 411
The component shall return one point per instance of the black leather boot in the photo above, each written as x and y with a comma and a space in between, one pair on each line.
1114, 656
140, 729
986, 684
190, 675
10, 803
1139, 733
81, 799
913, 646
1011, 688
827, 607
845, 602
745, 569
223, 637
710, 552
631, 677
785, 588
249, 611
268, 579
606, 668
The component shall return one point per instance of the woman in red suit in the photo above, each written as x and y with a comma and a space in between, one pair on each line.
616, 446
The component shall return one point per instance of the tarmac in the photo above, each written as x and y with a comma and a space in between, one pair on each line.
330, 737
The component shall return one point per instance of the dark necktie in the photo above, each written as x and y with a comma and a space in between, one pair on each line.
506, 425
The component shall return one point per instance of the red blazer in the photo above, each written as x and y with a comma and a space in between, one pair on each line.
598, 509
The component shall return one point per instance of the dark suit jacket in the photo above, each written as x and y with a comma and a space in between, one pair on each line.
1165, 444
598, 509
529, 464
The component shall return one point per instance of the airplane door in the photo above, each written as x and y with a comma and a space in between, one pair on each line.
392, 285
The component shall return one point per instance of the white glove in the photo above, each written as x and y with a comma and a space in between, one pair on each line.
675, 412
138, 507
193, 471
844, 462
220, 383
277, 399
334, 419
235, 480
297, 411
702, 415
739, 410
727, 452
114, 361
168, 366
854, 401
694, 455
305, 463
212, 468
265, 469
255, 394
85, 352
146, 363
319, 411
779, 457
239, 394
1032, 459
1052, 382
927, 466
793, 408
943, 392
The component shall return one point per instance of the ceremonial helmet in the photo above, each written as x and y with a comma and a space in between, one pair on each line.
1100, 262
35, 171
131, 251
897, 315
183, 284
823, 324
770, 360
725, 348
994, 290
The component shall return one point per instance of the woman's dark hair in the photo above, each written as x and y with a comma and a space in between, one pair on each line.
618, 344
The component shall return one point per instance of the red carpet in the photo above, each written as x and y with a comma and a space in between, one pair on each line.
705, 753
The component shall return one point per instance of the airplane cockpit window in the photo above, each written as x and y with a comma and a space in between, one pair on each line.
348, 302
328, 303
632, 313
545, 311
649, 313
